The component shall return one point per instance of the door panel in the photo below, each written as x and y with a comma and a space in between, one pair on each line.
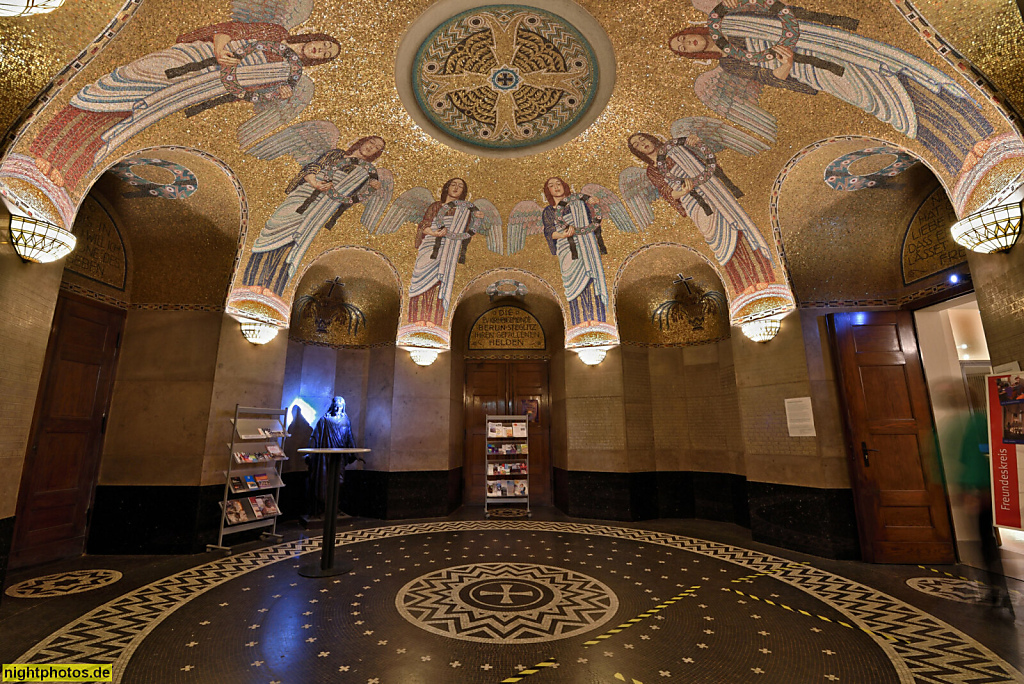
498, 387
902, 512
486, 389
66, 439
530, 381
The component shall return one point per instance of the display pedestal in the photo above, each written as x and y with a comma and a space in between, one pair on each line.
325, 567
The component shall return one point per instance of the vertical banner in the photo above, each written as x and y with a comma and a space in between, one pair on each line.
1006, 445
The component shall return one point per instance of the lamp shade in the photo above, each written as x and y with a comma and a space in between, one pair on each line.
258, 332
762, 329
991, 230
40, 241
24, 8
423, 356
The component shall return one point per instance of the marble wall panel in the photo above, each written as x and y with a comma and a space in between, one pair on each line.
247, 374
421, 414
999, 282
28, 296
379, 402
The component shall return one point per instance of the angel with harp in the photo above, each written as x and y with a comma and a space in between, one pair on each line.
252, 58
571, 223
742, 39
685, 172
329, 183
445, 228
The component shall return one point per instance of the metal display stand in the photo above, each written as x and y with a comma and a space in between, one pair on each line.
509, 454
325, 567
245, 435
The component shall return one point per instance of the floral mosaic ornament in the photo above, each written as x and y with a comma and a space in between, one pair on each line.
505, 76
184, 184
839, 176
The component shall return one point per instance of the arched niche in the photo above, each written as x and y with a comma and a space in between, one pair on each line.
182, 243
348, 298
540, 300
668, 295
852, 247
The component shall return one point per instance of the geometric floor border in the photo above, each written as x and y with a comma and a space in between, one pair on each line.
921, 647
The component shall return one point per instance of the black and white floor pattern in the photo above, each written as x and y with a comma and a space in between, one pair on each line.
486, 601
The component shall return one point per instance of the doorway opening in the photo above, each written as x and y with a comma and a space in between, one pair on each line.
956, 361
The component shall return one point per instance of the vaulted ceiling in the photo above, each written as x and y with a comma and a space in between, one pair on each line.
506, 96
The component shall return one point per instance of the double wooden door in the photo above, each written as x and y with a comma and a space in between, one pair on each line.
505, 388
65, 443
902, 511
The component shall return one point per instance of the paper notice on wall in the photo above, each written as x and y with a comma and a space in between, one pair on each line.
1006, 446
800, 417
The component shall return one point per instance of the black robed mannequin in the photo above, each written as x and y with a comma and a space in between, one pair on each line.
332, 431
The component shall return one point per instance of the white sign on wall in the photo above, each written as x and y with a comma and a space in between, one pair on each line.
800, 417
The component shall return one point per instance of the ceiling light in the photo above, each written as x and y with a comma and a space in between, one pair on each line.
40, 241
423, 356
991, 230
762, 329
591, 355
13, 8
258, 332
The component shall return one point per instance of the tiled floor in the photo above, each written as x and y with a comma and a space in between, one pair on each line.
545, 599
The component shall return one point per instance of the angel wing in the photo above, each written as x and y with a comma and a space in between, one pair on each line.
718, 135
525, 219
287, 13
611, 206
737, 99
639, 194
305, 142
374, 207
492, 226
409, 207
272, 114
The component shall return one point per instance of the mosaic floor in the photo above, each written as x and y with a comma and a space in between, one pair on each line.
516, 600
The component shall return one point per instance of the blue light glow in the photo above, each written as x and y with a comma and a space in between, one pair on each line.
860, 318
954, 279
307, 411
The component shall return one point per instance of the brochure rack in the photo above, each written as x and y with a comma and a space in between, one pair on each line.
253, 479
508, 463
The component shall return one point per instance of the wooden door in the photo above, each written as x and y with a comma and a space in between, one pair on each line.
529, 381
902, 512
498, 387
486, 393
65, 443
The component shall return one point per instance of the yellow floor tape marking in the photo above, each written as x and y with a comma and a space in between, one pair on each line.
550, 662
640, 618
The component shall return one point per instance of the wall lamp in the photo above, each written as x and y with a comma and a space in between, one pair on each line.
423, 356
24, 8
990, 230
762, 329
258, 332
591, 355
40, 241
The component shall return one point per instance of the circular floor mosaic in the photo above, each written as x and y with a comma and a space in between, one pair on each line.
954, 589
506, 603
63, 583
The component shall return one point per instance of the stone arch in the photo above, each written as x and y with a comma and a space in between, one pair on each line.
806, 212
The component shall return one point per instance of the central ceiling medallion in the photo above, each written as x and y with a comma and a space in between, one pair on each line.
505, 76
505, 80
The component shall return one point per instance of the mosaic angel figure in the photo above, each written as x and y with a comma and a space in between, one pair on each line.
816, 55
252, 58
685, 172
571, 223
445, 228
331, 180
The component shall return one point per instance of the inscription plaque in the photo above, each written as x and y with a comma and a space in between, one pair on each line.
506, 327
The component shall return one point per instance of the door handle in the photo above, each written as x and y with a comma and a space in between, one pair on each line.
864, 450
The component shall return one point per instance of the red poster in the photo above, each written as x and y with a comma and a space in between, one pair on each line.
1006, 446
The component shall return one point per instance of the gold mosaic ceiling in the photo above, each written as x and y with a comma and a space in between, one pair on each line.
356, 94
